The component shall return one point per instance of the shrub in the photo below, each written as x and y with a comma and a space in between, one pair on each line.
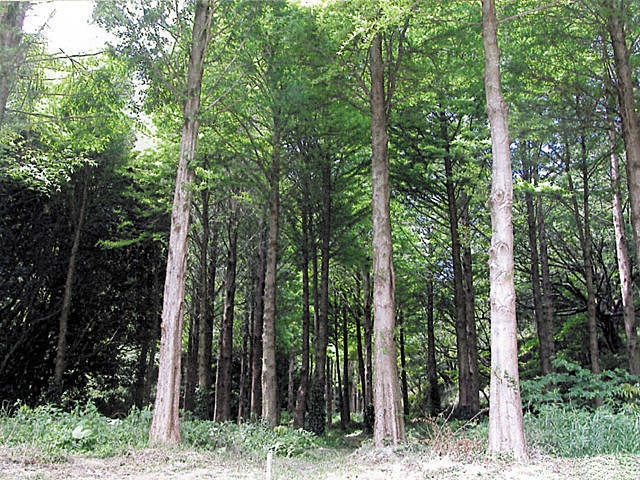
260, 438
54, 432
572, 384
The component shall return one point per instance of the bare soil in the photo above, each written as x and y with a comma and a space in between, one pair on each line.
363, 464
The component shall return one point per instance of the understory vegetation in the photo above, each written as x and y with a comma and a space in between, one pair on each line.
554, 429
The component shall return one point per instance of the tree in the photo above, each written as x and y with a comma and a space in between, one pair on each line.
12, 51
165, 427
506, 429
616, 15
389, 420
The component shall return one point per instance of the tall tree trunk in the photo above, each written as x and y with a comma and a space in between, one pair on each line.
389, 420
222, 410
545, 272
258, 317
165, 428
545, 338
628, 108
270, 409
360, 350
191, 367
624, 264
469, 305
208, 271
12, 53
63, 323
367, 325
346, 411
506, 429
245, 358
584, 234
319, 401
303, 386
466, 392
432, 372
403, 367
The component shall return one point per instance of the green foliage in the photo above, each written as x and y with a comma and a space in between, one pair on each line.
260, 438
55, 433
573, 432
574, 385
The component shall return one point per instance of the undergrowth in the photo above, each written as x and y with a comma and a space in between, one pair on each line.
51, 434
564, 431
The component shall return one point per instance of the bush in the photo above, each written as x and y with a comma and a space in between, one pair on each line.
572, 384
260, 438
573, 432
54, 432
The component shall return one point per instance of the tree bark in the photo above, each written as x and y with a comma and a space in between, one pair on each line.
547, 287
258, 317
164, 426
367, 327
389, 420
270, 409
469, 302
624, 263
303, 386
506, 429
628, 109
403, 367
222, 410
12, 16
208, 267
584, 234
63, 323
346, 411
545, 334
432, 368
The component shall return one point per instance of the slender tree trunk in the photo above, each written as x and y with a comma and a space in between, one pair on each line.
628, 108
432, 367
360, 350
624, 264
303, 386
191, 367
403, 367
63, 324
208, 271
245, 358
470, 305
506, 429
584, 234
222, 411
319, 400
465, 383
346, 411
164, 426
270, 409
258, 316
12, 16
367, 325
547, 287
389, 420
544, 349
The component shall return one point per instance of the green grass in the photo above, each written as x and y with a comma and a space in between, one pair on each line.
569, 432
554, 430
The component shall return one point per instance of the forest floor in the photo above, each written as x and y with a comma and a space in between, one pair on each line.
363, 463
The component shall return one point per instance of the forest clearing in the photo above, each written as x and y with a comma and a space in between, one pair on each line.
367, 239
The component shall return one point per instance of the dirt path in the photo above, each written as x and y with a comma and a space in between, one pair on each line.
156, 464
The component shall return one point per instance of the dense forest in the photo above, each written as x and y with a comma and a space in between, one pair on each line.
311, 140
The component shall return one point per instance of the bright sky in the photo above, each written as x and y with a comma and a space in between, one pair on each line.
66, 26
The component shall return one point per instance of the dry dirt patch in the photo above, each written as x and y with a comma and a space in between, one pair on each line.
158, 464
